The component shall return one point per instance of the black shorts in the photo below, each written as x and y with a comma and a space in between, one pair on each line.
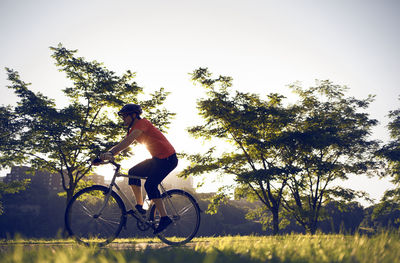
155, 170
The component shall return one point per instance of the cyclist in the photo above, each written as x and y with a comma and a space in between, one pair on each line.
163, 159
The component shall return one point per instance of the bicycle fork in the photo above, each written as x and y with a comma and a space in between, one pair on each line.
107, 197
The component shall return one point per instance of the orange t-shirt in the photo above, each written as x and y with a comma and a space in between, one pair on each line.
153, 139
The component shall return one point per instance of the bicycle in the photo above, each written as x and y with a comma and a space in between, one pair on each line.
96, 215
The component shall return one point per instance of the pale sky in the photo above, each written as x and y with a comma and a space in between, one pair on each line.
264, 45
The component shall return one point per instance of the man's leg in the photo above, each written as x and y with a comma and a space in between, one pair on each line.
160, 206
137, 192
151, 186
165, 221
159, 171
140, 170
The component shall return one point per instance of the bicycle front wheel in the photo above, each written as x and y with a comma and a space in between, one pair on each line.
184, 211
91, 219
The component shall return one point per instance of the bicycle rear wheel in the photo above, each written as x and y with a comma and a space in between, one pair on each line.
184, 211
83, 221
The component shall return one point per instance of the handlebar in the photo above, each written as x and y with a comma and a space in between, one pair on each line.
99, 161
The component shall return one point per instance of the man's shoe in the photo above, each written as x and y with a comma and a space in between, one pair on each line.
164, 223
140, 209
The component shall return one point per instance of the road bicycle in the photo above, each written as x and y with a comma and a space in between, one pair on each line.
96, 215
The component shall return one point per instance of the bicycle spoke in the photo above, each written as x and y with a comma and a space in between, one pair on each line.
185, 209
184, 212
86, 210
109, 221
83, 222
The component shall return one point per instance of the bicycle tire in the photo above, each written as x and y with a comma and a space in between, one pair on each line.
82, 223
184, 211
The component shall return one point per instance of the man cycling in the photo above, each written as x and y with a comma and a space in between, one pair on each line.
163, 159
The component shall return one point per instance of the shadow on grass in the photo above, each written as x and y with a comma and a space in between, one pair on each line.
187, 255
150, 255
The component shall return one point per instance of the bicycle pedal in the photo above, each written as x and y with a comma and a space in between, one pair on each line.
140, 209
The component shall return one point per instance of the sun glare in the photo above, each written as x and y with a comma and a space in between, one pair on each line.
140, 153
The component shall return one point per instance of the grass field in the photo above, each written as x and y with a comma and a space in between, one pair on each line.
380, 248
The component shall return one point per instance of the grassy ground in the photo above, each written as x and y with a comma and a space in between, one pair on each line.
381, 248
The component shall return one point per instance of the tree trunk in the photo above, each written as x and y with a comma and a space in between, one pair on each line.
65, 233
275, 221
312, 226
69, 196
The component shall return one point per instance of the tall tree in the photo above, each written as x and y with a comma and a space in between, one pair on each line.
390, 153
13, 187
252, 126
329, 141
61, 140
391, 150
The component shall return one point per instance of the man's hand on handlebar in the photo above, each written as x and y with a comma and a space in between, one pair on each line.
107, 156
97, 161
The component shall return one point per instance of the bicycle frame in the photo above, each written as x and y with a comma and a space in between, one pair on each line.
125, 199
85, 219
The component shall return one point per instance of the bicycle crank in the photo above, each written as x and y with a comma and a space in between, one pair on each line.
143, 226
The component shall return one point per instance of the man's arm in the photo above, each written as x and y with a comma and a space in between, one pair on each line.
128, 140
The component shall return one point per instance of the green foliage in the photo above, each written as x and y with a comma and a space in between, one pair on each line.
216, 201
305, 248
35, 212
253, 127
263, 216
329, 141
339, 217
383, 248
303, 147
11, 188
82, 184
388, 210
391, 151
386, 214
62, 140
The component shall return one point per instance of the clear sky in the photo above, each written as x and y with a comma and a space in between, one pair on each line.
264, 45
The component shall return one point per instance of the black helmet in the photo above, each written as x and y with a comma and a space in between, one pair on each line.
130, 108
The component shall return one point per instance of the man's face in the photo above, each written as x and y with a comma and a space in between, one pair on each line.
127, 118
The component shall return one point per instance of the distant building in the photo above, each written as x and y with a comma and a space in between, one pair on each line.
51, 181
17, 173
43, 178
95, 178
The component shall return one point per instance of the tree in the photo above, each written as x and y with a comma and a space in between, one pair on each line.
11, 188
329, 141
36, 212
16, 186
252, 126
390, 153
62, 140
342, 217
